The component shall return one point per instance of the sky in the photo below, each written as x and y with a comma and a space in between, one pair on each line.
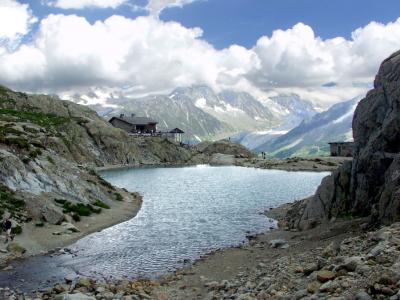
323, 50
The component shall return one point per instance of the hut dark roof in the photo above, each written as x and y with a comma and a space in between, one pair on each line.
176, 130
135, 120
331, 143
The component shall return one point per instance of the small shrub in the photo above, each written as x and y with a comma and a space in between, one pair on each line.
60, 201
51, 160
118, 197
9, 130
101, 204
91, 181
35, 153
38, 144
18, 142
39, 224
76, 217
16, 230
26, 160
96, 210
106, 184
79, 208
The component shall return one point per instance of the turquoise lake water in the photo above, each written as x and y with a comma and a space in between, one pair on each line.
186, 213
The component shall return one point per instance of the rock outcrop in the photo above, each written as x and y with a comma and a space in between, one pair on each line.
224, 147
370, 185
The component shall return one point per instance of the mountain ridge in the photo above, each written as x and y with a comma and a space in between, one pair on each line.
206, 115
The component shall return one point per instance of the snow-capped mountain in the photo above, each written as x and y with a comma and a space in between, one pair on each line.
204, 114
311, 137
295, 110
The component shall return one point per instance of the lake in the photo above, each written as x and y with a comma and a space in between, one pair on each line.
186, 213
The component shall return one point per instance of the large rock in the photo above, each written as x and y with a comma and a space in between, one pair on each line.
224, 147
370, 185
52, 214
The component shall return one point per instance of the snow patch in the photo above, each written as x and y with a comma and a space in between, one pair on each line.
271, 132
201, 103
197, 138
346, 115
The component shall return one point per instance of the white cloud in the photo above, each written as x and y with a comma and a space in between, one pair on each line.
80, 4
145, 55
15, 22
296, 57
155, 7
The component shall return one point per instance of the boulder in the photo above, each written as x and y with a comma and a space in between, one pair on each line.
52, 214
350, 264
84, 282
331, 250
70, 227
280, 244
362, 295
325, 275
313, 287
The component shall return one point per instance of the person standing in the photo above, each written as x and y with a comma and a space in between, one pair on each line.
7, 228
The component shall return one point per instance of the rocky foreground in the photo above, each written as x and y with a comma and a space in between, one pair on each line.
334, 262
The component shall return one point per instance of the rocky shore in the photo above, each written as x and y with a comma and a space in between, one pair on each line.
315, 164
340, 261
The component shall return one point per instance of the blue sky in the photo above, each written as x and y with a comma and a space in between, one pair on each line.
242, 22
140, 47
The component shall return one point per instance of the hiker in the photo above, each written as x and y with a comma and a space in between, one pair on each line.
7, 228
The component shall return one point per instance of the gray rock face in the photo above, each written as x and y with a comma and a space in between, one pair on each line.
370, 185
375, 188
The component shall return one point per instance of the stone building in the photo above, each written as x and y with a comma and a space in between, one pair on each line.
342, 149
134, 124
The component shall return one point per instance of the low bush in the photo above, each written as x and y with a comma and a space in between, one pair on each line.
118, 197
26, 160
51, 160
76, 217
101, 204
60, 201
35, 153
16, 230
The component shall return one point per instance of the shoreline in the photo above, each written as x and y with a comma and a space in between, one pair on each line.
44, 244
43, 240
315, 164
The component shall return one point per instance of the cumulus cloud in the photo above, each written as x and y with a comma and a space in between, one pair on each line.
80, 4
297, 58
155, 7
145, 55
15, 21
